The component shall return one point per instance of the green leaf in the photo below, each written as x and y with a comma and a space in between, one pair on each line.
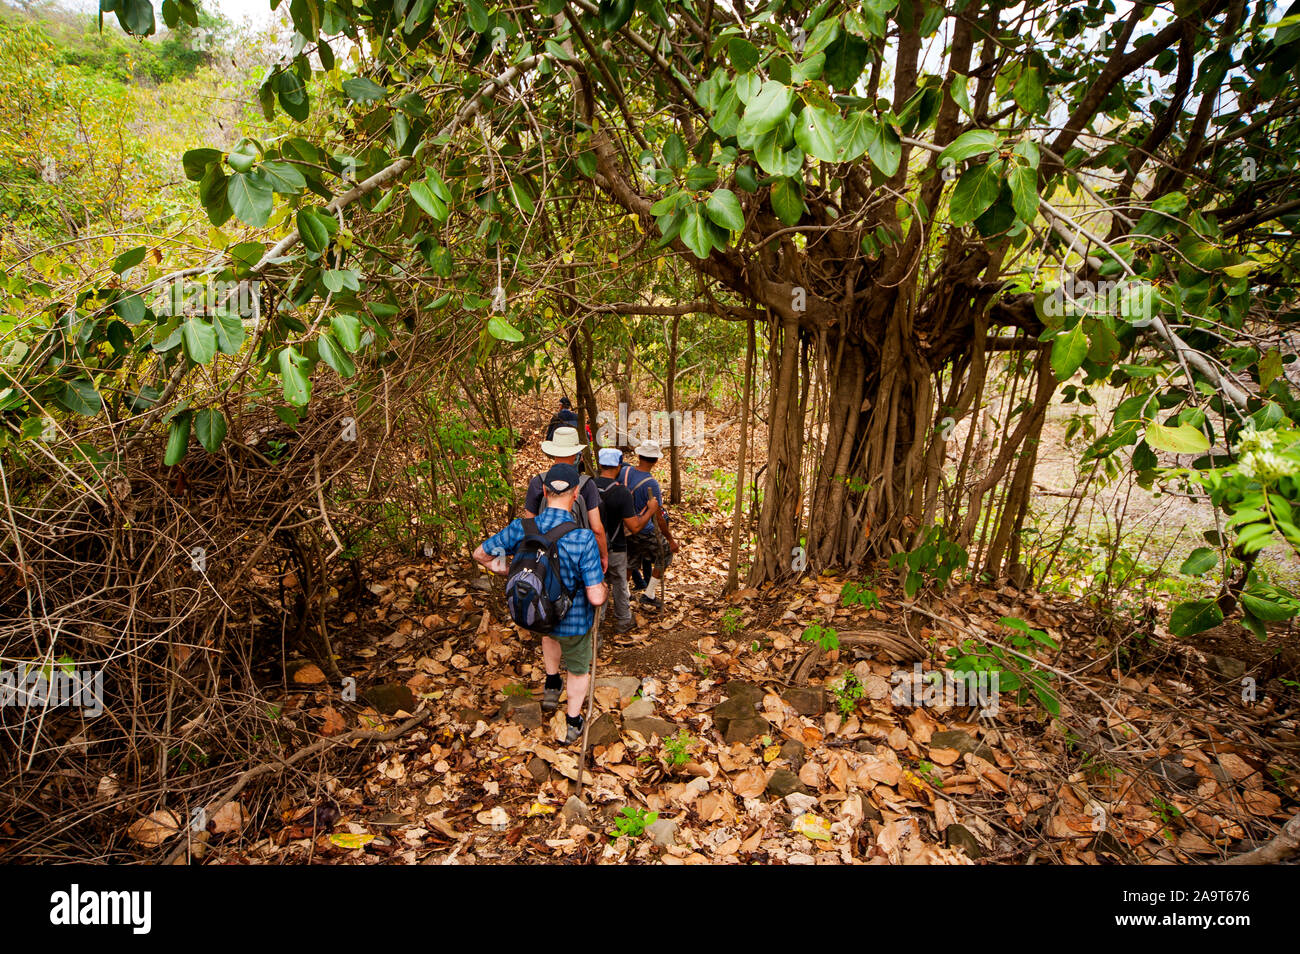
294, 379
769, 108
1028, 92
1182, 439
250, 198
502, 330
1266, 610
695, 232
430, 203
128, 260
178, 438
1200, 561
1024, 192
334, 356
1194, 617
314, 232
845, 58
80, 397
1068, 351
363, 90
284, 177
817, 131
742, 53
210, 428
347, 329
976, 142
787, 202
229, 329
195, 162
199, 339
724, 209
885, 148
976, 190
675, 154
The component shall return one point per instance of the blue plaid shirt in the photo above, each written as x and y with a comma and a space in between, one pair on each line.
579, 565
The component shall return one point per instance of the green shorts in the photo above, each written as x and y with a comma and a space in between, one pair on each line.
575, 653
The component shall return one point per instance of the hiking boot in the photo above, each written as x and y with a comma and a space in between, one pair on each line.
620, 626
550, 699
655, 603
574, 733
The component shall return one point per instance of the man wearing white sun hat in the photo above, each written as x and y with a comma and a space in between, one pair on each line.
563, 447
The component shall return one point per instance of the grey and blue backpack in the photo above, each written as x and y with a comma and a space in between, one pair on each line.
535, 593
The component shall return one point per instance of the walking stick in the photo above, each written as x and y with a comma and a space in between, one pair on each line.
591, 698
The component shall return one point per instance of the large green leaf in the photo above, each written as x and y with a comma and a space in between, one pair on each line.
695, 232
817, 131
229, 329
250, 199
501, 329
294, 378
425, 198
1024, 192
178, 438
787, 202
1069, 348
200, 340
333, 355
347, 329
1200, 561
1182, 439
1194, 617
210, 428
363, 90
724, 209
769, 108
284, 177
976, 190
976, 142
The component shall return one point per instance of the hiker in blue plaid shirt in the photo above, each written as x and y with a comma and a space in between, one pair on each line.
569, 644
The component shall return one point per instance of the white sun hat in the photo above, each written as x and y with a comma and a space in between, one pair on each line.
563, 443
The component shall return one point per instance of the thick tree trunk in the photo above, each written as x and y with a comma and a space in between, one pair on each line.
674, 428
738, 511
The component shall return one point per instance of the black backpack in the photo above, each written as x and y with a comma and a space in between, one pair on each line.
535, 593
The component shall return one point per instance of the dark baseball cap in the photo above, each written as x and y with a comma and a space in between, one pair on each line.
561, 478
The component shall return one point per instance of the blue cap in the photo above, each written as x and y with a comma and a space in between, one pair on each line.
610, 457
561, 478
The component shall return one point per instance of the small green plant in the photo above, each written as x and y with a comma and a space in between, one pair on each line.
517, 689
755, 646
848, 690
731, 620
931, 774
701, 663
824, 636
931, 563
677, 748
632, 822
855, 594
1014, 672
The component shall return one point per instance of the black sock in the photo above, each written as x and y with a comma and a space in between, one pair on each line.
575, 721
554, 682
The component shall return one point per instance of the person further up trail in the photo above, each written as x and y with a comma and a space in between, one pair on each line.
621, 520
654, 543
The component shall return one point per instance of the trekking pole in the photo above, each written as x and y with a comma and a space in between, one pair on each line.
591, 698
